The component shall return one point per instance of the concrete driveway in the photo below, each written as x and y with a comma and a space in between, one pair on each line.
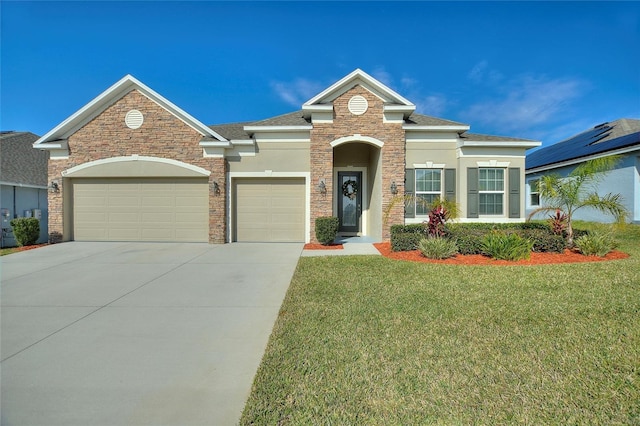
137, 333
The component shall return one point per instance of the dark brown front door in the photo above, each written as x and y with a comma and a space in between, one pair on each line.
349, 201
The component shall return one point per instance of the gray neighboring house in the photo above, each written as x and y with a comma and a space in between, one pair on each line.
620, 137
23, 183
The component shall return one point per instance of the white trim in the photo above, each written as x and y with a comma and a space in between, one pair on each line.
118, 90
344, 84
365, 199
22, 185
276, 128
357, 138
493, 163
135, 157
270, 174
583, 159
429, 165
438, 128
502, 144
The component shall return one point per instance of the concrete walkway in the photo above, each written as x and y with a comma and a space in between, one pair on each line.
137, 333
351, 246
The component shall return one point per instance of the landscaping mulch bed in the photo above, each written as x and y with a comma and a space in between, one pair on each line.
568, 256
311, 246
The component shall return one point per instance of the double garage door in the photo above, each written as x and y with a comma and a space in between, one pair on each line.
140, 209
177, 209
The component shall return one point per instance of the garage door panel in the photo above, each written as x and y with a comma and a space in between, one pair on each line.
269, 209
141, 209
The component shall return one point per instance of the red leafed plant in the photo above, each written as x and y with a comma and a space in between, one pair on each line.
438, 216
558, 222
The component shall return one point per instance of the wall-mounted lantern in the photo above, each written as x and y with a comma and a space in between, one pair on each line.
54, 186
394, 188
216, 188
322, 187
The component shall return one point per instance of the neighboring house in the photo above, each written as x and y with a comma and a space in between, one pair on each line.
620, 137
23, 183
133, 166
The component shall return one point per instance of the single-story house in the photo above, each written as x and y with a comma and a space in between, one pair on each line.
620, 137
131, 165
23, 183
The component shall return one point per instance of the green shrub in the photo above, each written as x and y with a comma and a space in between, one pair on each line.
596, 244
327, 229
544, 241
405, 241
26, 230
415, 228
507, 246
469, 241
437, 248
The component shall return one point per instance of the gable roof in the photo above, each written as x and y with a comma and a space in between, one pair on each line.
20, 164
109, 97
358, 77
599, 140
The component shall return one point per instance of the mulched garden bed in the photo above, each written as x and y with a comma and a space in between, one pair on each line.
476, 259
311, 246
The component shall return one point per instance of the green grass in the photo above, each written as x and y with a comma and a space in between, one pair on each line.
367, 340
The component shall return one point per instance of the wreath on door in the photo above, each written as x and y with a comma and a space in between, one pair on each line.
350, 189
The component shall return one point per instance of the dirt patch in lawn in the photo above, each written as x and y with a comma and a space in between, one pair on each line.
568, 256
311, 246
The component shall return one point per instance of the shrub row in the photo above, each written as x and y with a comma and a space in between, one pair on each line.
469, 236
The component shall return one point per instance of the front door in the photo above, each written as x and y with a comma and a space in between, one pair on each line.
349, 201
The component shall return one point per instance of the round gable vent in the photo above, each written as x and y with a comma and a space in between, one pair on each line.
133, 119
358, 105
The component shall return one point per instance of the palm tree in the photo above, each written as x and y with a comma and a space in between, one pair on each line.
578, 190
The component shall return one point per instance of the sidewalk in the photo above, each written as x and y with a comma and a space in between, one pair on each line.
351, 246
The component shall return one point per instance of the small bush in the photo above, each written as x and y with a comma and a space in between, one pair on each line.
544, 241
26, 230
437, 248
405, 241
503, 246
327, 229
468, 241
595, 244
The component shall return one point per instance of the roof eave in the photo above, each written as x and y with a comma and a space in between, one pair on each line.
507, 143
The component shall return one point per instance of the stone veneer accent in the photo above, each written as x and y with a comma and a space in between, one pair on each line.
371, 124
161, 135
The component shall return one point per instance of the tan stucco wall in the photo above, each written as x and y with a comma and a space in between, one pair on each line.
274, 156
435, 152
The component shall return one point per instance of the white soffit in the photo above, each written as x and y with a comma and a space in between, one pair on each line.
109, 97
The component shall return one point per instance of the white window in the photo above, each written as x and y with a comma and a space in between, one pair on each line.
428, 189
491, 191
534, 192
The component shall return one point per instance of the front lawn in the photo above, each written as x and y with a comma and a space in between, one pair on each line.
369, 340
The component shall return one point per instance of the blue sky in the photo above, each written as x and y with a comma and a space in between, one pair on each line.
538, 70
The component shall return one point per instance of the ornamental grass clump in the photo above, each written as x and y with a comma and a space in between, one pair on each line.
437, 248
596, 244
503, 246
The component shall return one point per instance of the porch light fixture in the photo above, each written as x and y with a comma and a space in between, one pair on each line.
54, 186
322, 187
394, 188
216, 188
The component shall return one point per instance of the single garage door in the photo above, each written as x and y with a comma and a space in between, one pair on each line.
140, 209
269, 210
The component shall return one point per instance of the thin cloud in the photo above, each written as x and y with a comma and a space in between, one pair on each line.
433, 105
526, 102
482, 73
296, 92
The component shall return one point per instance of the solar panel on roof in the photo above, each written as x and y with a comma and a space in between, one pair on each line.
586, 143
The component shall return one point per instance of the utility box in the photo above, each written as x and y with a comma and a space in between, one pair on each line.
37, 213
28, 213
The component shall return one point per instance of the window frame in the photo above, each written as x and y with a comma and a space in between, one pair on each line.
417, 193
482, 192
534, 183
